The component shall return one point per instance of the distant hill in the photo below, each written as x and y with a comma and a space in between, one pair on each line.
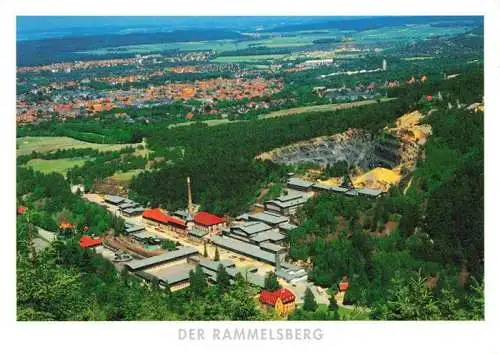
362, 24
36, 52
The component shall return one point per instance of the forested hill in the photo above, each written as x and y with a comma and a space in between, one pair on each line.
229, 152
439, 237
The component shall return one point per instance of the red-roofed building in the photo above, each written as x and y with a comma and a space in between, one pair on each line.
86, 242
158, 218
282, 301
21, 209
209, 222
342, 289
66, 229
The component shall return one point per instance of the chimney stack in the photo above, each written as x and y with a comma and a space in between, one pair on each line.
190, 200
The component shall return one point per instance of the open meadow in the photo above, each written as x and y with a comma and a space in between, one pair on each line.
43, 144
59, 165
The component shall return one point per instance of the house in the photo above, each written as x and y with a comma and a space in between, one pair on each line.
343, 286
21, 209
66, 229
210, 223
281, 301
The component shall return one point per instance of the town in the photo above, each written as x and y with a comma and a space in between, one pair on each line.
305, 171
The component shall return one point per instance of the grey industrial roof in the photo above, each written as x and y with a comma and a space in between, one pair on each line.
338, 189
289, 196
322, 187
115, 199
287, 226
268, 218
131, 211
132, 228
244, 248
289, 203
268, 235
143, 235
370, 191
290, 266
214, 265
183, 214
165, 257
175, 274
352, 192
242, 217
288, 276
252, 227
197, 233
299, 183
127, 205
271, 247
239, 237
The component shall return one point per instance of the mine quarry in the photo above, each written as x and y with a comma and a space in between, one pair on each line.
374, 160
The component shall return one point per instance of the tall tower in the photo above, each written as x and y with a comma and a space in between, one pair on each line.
190, 199
384, 65
277, 260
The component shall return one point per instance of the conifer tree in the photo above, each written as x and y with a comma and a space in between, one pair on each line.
310, 303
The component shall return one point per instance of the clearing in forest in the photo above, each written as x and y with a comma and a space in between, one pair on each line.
26, 145
59, 165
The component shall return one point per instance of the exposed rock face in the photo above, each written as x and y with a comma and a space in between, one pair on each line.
358, 149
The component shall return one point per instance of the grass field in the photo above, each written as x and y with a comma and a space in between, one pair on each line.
320, 108
60, 165
27, 145
121, 177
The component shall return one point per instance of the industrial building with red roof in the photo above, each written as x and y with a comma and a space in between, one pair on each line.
209, 222
156, 215
86, 242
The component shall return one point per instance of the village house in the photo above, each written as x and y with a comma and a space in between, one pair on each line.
281, 301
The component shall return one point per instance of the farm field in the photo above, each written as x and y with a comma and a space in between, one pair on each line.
27, 145
320, 108
297, 40
412, 32
59, 166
